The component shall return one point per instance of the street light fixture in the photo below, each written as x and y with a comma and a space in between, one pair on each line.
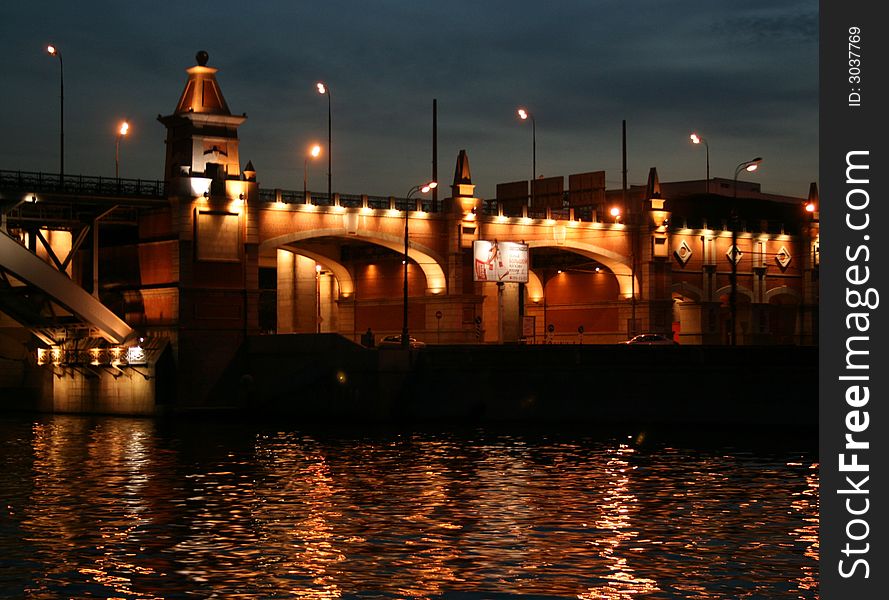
324, 90
749, 166
615, 212
424, 188
54, 51
314, 152
122, 131
524, 115
696, 139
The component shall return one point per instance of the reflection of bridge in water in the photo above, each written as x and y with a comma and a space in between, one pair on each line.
196, 263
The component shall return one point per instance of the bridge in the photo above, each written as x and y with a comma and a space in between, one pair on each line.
113, 277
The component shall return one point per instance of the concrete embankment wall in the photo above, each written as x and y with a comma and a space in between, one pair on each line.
322, 377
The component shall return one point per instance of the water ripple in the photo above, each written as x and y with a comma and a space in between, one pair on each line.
129, 508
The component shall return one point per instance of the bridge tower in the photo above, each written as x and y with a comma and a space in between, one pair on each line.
462, 211
206, 238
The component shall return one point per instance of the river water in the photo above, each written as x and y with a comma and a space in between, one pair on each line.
102, 507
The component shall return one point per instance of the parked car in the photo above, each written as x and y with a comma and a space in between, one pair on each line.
394, 341
651, 339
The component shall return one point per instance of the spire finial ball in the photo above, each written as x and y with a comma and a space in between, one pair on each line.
202, 57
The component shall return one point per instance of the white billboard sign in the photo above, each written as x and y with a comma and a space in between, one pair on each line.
503, 262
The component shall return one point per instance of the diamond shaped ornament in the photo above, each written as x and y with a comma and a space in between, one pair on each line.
738, 254
683, 253
783, 257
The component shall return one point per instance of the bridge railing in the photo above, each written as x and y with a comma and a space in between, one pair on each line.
344, 200
30, 181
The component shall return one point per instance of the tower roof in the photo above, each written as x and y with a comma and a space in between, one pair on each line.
202, 93
653, 187
461, 173
813, 193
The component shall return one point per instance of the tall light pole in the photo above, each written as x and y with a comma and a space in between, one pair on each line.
122, 131
696, 139
749, 166
54, 51
325, 90
524, 115
424, 188
314, 152
318, 297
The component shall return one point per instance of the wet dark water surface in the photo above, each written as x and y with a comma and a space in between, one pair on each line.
96, 507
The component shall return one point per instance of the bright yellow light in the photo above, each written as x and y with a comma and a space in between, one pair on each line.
315, 151
753, 167
523, 114
810, 207
615, 212
52, 50
321, 88
433, 185
124, 128
694, 138
317, 268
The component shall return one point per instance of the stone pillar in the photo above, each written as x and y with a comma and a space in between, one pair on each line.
286, 304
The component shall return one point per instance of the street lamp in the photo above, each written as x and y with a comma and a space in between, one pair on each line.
615, 212
325, 90
524, 115
314, 152
424, 188
749, 166
54, 51
122, 131
696, 139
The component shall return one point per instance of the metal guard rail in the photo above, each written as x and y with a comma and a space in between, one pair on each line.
29, 181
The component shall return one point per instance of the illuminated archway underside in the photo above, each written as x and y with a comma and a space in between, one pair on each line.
687, 290
614, 261
436, 282
783, 291
341, 273
534, 287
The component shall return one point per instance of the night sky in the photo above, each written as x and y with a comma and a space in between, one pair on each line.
744, 75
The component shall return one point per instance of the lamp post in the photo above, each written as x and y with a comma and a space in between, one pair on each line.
314, 152
696, 139
424, 188
54, 51
749, 166
524, 115
325, 90
124, 129
318, 297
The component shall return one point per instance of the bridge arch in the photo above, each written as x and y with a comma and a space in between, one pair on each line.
426, 259
727, 290
616, 262
783, 291
687, 290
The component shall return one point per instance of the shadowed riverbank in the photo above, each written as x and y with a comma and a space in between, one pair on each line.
328, 378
